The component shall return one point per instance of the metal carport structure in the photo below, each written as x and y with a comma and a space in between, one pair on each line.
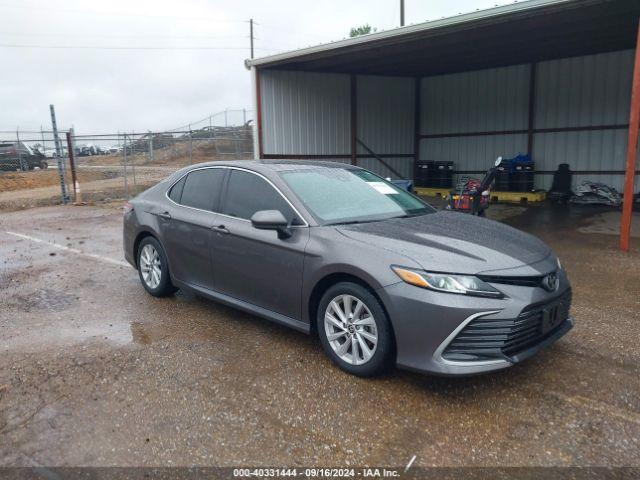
558, 79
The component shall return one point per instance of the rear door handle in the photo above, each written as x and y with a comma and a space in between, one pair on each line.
221, 229
165, 215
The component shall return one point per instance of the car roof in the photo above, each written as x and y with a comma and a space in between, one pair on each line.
277, 165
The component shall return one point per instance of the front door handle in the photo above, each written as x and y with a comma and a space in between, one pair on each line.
221, 229
165, 215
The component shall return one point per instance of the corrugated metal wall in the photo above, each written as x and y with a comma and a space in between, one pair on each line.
385, 114
480, 101
309, 114
586, 91
305, 113
593, 90
386, 122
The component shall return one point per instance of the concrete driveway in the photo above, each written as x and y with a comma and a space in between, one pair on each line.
96, 372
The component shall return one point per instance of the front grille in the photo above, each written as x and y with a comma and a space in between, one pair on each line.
484, 339
532, 281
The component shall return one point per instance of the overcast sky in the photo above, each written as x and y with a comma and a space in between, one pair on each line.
123, 86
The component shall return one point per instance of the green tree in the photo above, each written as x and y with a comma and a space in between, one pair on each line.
361, 30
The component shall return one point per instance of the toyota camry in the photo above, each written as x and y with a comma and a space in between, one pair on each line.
334, 250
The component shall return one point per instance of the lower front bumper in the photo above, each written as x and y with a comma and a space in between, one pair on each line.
425, 322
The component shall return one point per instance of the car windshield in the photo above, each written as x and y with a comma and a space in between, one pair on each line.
340, 195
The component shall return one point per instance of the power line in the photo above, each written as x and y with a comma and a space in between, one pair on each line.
95, 35
119, 14
97, 47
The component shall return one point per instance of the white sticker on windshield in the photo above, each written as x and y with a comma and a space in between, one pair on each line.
383, 188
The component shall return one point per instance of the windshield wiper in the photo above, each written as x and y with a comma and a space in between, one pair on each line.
352, 222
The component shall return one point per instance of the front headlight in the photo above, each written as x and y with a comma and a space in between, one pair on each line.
444, 282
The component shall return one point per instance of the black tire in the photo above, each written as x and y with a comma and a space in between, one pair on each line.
44, 165
164, 288
382, 358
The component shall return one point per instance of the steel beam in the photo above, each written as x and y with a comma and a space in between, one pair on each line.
354, 119
632, 148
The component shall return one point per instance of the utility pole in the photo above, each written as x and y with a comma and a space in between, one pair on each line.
59, 152
401, 14
251, 35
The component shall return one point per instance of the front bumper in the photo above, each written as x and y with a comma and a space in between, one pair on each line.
426, 323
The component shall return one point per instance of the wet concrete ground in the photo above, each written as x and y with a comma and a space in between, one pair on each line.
94, 371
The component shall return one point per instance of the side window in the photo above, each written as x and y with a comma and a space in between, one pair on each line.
248, 193
176, 191
202, 189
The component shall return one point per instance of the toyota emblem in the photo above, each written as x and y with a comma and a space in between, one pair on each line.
550, 282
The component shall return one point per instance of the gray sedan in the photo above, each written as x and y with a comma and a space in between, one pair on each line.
381, 277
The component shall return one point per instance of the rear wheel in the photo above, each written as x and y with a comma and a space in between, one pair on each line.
354, 330
153, 268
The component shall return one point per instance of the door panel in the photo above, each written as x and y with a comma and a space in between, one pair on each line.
258, 267
186, 227
187, 238
255, 265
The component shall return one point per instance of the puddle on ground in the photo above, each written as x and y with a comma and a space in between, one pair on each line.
43, 299
44, 336
139, 334
608, 223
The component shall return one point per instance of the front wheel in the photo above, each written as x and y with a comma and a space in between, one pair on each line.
354, 330
153, 268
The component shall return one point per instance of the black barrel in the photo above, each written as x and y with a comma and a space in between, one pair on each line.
521, 179
443, 175
503, 183
423, 175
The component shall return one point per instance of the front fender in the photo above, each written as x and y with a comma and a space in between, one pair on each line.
328, 253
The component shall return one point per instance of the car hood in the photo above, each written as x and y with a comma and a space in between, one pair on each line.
453, 242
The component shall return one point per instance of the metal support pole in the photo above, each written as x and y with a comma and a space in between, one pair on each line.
532, 108
150, 147
632, 148
190, 146
251, 35
44, 145
354, 120
244, 116
21, 163
401, 14
133, 168
417, 105
226, 123
124, 165
72, 164
58, 144
257, 142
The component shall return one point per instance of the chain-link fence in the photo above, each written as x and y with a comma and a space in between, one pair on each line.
30, 173
107, 166
127, 163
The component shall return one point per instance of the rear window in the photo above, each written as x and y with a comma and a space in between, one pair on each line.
175, 193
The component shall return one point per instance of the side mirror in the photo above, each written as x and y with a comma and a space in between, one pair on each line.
498, 161
271, 220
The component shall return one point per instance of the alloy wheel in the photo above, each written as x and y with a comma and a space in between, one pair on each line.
150, 266
351, 329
